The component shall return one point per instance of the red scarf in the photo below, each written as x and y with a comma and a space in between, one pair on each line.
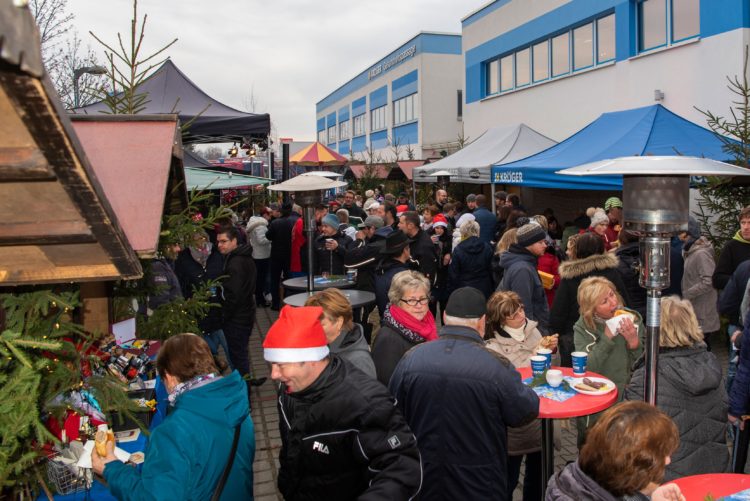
425, 327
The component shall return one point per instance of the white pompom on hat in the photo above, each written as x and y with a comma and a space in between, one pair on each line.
297, 336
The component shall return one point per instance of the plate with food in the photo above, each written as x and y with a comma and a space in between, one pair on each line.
592, 385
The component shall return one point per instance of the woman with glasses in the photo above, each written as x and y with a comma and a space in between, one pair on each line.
517, 338
406, 322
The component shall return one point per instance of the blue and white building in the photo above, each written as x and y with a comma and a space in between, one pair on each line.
409, 102
556, 65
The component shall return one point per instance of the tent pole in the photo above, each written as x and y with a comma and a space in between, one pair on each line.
413, 191
492, 192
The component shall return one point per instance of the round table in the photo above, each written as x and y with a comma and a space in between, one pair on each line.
578, 405
697, 487
300, 284
356, 298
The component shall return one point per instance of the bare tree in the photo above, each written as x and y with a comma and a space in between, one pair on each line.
211, 152
396, 147
72, 57
53, 22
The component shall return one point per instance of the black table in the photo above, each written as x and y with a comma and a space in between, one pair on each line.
356, 298
300, 284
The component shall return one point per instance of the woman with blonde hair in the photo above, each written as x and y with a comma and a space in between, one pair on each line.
690, 389
610, 354
509, 238
406, 322
345, 338
624, 458
517, 338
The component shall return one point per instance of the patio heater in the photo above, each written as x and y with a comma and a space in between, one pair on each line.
308, 190
655, 192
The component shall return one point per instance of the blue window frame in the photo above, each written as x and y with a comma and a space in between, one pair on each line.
661, 23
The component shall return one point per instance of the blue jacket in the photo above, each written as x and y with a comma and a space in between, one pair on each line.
459, 398
486, 221
731, 296
739, 394
470, 266
188, 451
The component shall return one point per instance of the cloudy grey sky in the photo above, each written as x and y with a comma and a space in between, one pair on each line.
288, 54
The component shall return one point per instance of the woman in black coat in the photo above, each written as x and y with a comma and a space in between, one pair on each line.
591, 260
330, 247
471, 262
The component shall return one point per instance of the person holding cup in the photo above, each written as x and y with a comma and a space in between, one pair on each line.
517, 338
609, 353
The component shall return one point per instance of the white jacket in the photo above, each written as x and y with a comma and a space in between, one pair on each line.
257, 227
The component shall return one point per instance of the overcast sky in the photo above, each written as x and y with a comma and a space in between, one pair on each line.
289, 54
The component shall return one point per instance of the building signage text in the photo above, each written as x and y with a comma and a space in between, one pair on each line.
386, 65
509, 177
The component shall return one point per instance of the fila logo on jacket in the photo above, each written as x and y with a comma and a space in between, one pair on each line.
322, 448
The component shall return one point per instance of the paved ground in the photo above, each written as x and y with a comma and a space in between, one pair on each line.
266, 419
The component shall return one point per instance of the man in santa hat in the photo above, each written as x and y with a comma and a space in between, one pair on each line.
342, 435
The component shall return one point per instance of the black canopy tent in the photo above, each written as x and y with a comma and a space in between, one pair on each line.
170, 91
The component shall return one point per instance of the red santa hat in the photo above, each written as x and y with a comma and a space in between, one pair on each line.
439, 220
296, 336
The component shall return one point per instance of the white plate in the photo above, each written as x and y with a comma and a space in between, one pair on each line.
610, 386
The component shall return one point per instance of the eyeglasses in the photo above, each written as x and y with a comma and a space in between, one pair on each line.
414, 301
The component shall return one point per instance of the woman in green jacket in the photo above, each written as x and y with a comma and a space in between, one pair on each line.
610, 354
188, 451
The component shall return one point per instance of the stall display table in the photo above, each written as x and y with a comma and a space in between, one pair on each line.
697, 487
576, 406
319, 283
356, 298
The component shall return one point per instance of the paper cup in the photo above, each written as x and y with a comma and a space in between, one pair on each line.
538, 364
579, 362
547, 353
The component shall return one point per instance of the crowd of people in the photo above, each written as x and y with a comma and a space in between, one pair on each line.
418, 394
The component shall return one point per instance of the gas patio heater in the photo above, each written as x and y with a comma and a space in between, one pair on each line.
655, 191
308, 189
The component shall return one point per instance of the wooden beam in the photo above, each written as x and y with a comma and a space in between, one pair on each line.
23, 164
45, 233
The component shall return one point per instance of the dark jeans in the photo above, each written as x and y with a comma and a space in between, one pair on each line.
532, 479
261, 279
279, 272
214, 340
238, 337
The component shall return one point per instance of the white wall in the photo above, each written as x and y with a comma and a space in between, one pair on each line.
690, 75
440, 77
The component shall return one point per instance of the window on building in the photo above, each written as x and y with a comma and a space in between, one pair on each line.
652, 24
377, 119
359, 125
506, 73
605, 39
523, 67
686, 20
322, 136
405, 109
332, 134
459, 104
583, 46
540, 53
493, 77
561, 54
344, 130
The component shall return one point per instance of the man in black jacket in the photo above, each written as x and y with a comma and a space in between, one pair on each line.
342, 435
459, 398
280, 234
239, 296
423, 250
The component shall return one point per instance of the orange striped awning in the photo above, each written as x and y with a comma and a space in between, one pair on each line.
317, 154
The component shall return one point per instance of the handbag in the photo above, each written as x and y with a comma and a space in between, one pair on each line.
228, 467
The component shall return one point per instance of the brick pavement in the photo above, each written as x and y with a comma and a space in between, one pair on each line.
266, 419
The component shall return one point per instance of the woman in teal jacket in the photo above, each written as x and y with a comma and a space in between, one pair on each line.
187, 453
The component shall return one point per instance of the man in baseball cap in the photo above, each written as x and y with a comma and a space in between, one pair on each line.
341, 433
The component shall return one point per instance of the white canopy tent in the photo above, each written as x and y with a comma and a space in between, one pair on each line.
498, 145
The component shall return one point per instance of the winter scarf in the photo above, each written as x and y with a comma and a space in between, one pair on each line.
201, 255
412, 329
191, 384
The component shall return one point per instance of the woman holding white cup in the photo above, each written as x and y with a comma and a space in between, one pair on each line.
517, 338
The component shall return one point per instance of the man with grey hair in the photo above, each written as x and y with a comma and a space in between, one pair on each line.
459, 398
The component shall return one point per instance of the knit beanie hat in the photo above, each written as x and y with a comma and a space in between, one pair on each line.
529, 234
331, 220
612, 202
599, 217
694, 228
296, 336
464, 218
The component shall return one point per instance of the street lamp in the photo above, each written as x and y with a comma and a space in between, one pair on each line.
655, 191
78, 73
308, 188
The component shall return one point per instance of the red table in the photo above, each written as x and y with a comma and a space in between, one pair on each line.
697, 487
578, 405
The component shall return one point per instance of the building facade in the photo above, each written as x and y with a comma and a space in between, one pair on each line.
556, 65
406, 105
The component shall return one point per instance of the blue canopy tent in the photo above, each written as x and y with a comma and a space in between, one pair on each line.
651, 130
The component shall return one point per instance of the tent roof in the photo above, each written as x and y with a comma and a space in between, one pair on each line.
170, 90
498, 145
651, 130
212, 180
57, 224
358, 170
137, 159
190, 159
318, 155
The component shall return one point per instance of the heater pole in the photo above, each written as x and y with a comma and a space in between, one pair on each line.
653, 313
